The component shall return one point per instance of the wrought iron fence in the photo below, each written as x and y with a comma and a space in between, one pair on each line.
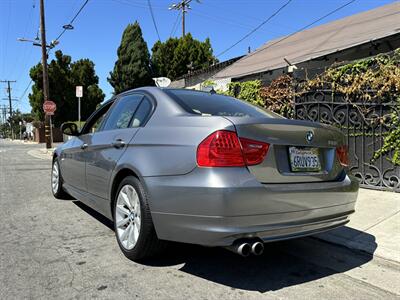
361, 122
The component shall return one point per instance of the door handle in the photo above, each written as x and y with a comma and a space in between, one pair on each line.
84, 146
119, 143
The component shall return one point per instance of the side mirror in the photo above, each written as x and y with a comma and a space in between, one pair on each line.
69, 129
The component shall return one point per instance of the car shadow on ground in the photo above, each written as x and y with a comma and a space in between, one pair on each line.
283, 264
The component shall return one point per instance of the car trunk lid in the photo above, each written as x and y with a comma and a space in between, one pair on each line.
306, 140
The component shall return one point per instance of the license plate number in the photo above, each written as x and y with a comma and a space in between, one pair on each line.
304, 159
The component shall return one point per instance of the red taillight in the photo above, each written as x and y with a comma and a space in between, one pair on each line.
220, 149
342, 153
253, 151
223, 149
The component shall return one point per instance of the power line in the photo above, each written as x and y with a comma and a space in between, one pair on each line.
26, 89
174, 27
184, 6
10, 101
30, 82
6, 38
154, 21
27, 53
297, 31
139, 4
255, 29
72, 20
222, 20
58, 37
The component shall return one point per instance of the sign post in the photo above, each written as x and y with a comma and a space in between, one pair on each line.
20, 129
79, 95
49, 107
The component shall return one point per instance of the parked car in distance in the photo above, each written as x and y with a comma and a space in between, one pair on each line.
202, 168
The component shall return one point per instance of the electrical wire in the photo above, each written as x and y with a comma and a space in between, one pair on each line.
30, 82
27, 50
72, 20
175, 27
138, 4
26, 89
297, 31
6, 38
256, 28
154, 20
57, 39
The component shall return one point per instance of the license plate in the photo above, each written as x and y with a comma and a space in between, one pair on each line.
304, 159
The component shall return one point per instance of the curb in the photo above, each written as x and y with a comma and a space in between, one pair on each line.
41, 153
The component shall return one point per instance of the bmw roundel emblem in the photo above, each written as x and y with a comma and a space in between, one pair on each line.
309, 136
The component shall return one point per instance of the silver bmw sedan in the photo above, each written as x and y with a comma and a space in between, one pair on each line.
202, 168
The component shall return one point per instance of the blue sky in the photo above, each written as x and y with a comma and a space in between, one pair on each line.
99, 27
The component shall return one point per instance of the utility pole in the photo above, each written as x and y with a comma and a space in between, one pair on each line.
47, 128
3, 109
10, 102
184, 6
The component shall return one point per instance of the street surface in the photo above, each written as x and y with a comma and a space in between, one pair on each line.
62, 249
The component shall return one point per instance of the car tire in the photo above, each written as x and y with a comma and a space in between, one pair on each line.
57, 182
146, 243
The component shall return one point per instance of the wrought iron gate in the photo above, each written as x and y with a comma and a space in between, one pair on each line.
361, 122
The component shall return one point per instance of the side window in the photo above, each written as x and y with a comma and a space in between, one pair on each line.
141, 113
96, 126
97, 120
122, 113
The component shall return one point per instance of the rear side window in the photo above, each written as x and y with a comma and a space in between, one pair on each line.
141, 113
203, 103
122, 113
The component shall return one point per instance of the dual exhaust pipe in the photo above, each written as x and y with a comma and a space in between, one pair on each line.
246, 248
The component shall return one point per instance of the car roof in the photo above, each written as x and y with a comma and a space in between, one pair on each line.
155, 88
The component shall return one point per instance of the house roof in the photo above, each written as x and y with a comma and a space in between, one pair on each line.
216, 66
318, 41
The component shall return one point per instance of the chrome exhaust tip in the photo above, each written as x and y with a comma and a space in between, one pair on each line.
257, 248
244, 249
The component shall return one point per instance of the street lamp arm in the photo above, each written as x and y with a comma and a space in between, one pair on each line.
38, 42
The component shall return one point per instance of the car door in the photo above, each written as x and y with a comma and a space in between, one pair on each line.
69, 164
73, 161
108, 144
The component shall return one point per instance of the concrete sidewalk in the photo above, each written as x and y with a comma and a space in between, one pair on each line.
374, 227
42, 153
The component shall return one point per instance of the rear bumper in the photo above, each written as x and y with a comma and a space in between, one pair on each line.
214, 207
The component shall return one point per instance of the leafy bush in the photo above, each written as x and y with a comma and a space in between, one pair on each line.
279, 96
372, 79
379, 74
391, 142
248, 91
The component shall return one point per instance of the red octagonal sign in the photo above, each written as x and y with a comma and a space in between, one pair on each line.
49, 107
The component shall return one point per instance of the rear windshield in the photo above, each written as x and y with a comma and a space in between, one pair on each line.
208, 104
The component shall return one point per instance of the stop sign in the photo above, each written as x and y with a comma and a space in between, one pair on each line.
49, 107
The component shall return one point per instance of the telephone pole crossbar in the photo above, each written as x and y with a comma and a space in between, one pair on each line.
184, 6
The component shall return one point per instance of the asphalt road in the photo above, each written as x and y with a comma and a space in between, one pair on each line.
62, 249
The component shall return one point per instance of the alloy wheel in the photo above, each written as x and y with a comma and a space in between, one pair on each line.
128, 217
55, 177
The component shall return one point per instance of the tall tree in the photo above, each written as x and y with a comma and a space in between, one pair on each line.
162, 56
176, 57
64, 75
132, 68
